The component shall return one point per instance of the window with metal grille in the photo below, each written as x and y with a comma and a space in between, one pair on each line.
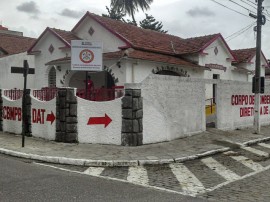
52, 77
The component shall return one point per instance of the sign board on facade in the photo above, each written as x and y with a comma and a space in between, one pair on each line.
216, 66
86, 55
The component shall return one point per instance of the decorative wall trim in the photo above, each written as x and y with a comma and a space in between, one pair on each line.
109, 70
181, 72
62, 81
216, 66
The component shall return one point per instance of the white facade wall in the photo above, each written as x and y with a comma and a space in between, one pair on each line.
251, 66
41, 127
233, 113
99, 134
138, 70
9, 80
173, 107
110, 41
42, 71
221, 59
12, 123
209, 57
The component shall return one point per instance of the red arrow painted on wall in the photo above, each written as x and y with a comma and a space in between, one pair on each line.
106, 120
50, 117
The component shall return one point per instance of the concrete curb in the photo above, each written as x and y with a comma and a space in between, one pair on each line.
121, 163
204, 154
70, 161
252, 142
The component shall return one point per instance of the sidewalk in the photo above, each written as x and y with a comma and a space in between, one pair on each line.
207, 143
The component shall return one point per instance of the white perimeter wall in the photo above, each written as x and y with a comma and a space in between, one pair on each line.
98, 134
40, 126
12, 126
231, 115
173, 107
9, 80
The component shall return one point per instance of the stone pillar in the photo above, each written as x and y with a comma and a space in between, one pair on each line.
1, 111
132, 115
66, 116
28, 118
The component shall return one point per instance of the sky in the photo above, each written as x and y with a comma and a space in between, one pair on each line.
183, 18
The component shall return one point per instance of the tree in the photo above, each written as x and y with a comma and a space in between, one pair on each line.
131, 6
115, 14
150, 23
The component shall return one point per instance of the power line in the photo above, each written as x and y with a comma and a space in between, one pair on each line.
242, 6
230, 8
249, 4
238, 33
243, 29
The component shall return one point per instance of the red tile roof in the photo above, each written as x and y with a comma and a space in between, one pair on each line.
149, 40
59, 61
65, 35
12, 44
136, 37
150, 56
244, 55
195, 44
137, 54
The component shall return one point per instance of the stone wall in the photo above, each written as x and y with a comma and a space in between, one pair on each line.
66, 116
132, 114
1, 112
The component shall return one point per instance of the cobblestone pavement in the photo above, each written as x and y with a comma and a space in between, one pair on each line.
236, 175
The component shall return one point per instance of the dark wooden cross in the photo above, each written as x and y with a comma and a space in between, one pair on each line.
25, 70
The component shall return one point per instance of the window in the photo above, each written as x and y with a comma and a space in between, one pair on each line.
52, 77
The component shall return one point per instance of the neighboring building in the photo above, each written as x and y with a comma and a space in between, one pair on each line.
246, 62
5, 30
13, 50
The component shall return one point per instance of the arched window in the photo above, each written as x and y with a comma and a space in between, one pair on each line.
52, 77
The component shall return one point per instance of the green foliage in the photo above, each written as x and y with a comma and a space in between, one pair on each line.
131, 6
150, 23
115, 14
120, 8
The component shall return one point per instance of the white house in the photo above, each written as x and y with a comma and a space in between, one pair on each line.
130, 54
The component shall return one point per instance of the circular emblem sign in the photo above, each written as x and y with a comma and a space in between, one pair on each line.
86, 56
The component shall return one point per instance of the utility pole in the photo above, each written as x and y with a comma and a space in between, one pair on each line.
257, 80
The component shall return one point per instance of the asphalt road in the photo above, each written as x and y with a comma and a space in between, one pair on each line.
22, 180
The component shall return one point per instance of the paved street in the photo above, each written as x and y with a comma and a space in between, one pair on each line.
241, 174
22, 180
218, 165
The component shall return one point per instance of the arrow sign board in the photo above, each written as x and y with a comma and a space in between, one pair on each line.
106, 120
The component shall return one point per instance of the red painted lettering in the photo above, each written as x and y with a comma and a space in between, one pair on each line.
38, 115
246, 111
12, 113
